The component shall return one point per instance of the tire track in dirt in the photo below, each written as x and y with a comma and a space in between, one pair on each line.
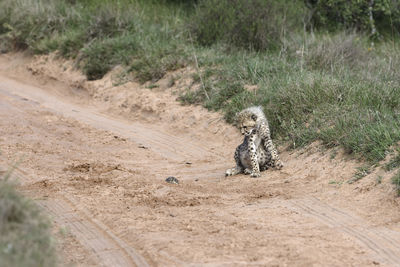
108, 249
383, 242
168, 146
160, 142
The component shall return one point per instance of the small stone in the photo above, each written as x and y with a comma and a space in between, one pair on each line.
172, 180
119, 138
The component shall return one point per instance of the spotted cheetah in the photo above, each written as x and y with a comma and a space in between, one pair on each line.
257, 152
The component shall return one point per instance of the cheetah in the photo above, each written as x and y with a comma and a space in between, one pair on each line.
257, 152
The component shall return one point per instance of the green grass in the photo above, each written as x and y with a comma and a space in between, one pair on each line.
396, 182
25, 238
360, 173
247, 24
345, 105
394, 163
338, 87
142, 35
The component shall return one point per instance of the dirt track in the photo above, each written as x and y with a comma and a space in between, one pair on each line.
95, 156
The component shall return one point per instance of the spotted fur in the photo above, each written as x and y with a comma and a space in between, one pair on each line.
257, 152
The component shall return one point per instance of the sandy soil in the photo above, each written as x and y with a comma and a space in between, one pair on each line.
96, 155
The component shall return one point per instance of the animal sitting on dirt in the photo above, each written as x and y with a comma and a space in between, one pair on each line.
257, 152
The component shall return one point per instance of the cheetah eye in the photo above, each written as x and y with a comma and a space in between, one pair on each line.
245, 127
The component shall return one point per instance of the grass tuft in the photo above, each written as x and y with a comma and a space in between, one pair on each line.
332, 52
396, 182
99, 57
25, 232
394, 163
360, 173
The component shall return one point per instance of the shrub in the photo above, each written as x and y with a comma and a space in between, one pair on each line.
110, 20
384, 16
252, 24
330, 52
154, 65
30, 21
71, 42
102, 55
25, 232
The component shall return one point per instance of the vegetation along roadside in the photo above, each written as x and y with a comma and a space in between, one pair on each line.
25, 233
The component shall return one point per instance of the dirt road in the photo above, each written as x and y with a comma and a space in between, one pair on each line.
95, 155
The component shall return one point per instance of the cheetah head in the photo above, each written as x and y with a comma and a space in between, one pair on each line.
247, 124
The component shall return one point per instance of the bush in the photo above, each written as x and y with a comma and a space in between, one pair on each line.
251, 24
333, 51
71, 42
102, 55
25, 232
384, 16
30, 21
156, 61
109, 21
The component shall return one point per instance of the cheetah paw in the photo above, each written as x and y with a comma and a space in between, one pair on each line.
229, 172
255, 174
233, 171
247, 171
279, 165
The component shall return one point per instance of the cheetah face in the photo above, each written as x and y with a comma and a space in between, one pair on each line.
247, 126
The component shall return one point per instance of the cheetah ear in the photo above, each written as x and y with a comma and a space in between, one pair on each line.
254, 117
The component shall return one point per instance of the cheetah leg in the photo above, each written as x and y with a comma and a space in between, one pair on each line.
263, 159
275, 160
238, 169
255, 168
263, 168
